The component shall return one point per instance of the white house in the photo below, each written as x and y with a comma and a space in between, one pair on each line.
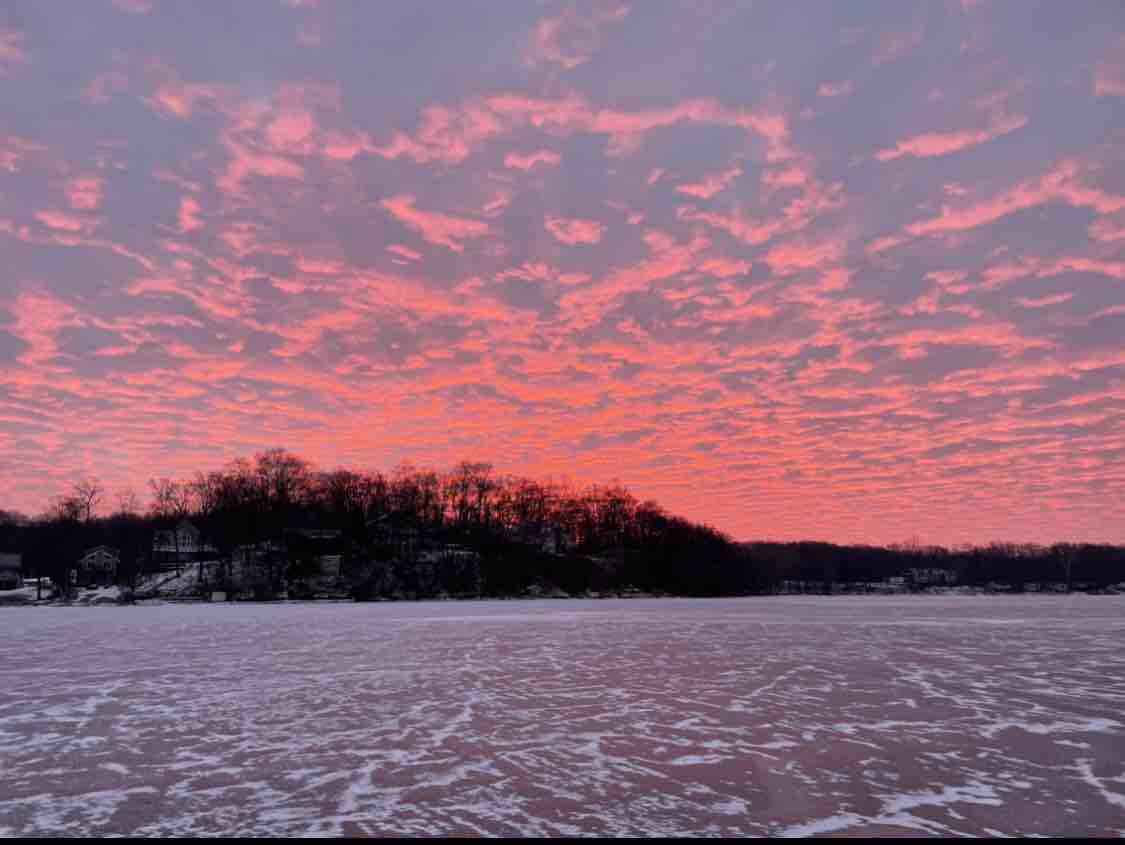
181, 544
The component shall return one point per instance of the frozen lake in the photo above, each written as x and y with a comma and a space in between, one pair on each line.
785, 716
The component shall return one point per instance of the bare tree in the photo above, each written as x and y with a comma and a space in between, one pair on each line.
1067, 553
65, 509
127, 502
171, 499
468, 489
89, 494
285, 478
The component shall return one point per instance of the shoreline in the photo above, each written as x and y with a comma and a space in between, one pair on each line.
153, 601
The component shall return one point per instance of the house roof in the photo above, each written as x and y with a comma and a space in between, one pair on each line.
100, 549
316, 533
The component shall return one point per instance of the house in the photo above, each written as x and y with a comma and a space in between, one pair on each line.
320, 549
11, 569
181, 544
449, 553
548, 539
932, 577
98, 567
395, 536
553, 542
250, 555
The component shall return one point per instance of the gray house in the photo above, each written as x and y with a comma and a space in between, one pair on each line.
11, 571
98, 567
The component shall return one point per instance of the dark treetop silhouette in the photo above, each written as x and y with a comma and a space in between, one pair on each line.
265, 526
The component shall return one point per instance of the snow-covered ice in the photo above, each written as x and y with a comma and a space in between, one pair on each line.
785, 716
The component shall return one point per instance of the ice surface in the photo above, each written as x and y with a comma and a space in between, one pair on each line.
786, 716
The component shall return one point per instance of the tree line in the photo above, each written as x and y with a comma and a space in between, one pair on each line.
509, 535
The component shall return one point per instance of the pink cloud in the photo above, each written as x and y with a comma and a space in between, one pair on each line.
895, 45
311, 33
216, 297
1044, 301
544, 44
738, 225
178, 99
13, 150
1109, 75
241, 237
188, 217
882, 244
1000, 275
172, 178
445, 134
836, 89
404, 252
574, 230
133, 7
244, 163
667, 258
1084, 264
305, 335
531, 271
290, 130
788, 177
1061, 184
501, 199
527, 161
452, 135
320, 266
997, 335
84, 192
794, 256
1109, 81
724, 268
437, 228
345, 146
12, 52
573, 37
769, 125
1108, 229
710, 185
38, 318
104, 85
63, 221
939, 144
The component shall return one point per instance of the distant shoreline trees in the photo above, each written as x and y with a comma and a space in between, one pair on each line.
470, 531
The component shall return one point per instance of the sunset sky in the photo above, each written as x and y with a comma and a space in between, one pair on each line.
852, 272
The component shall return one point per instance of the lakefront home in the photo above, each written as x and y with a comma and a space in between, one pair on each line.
98, 567
323, 548
11, 571
182, 544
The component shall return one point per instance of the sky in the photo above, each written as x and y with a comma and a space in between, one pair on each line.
851, 272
